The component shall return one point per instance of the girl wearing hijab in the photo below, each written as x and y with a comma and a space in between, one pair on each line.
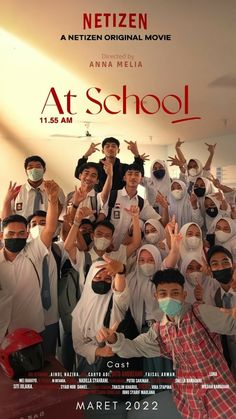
159, 181
94, 310
191, 240
224, 229
215, 205
154, 233
195, 278
143, 305
179, 204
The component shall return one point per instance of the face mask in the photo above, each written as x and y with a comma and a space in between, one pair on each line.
199, 192
152, 237
224, 275
101, 243
194, 277
101, 287
212, 212
35, 174
148, 269
170, 306
222, 236
36, 231
87, 238
159, 174
192, 172
177, 194
15, 245
193, 242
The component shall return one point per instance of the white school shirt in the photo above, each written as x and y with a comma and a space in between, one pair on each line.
121, 219
24, 202
119, 255
20, 289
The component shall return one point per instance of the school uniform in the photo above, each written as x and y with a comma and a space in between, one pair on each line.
193, 344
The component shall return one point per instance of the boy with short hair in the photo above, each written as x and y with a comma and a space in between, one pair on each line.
204, 386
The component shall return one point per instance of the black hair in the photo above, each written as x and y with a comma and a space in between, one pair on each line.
134, 167
86, 221
38, 213
218, 249
104, 223
88, 165
110, 140
34, 158
168, 276
14, 218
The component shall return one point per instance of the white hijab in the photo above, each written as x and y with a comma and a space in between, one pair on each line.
209, 220
184, 248
143, 304
230, 244
91, 309
180, 208
199, 170
208, 283
153, 185
209, 190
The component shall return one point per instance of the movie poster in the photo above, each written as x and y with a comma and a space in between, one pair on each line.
74, 73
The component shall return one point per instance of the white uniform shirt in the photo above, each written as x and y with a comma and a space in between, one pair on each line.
24, 202
121, 219
20, 289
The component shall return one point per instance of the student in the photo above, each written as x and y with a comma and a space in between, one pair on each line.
221, 264
159, 181
102, 237
126, 197
224, 229
191, 240
214, 205
179, 204
110, 148
187, 335
24, 291
31, 196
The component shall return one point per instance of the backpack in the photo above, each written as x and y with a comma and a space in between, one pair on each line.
69, 290
112, 201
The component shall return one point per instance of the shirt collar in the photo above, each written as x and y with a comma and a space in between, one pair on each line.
124, 193
29, 187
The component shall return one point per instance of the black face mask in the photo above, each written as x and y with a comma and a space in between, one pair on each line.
101, 287
199, 192
87, 238
224, 275
15, 245
159, 174
212, 212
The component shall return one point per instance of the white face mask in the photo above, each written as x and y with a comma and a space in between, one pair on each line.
101, 243
148, 269
152, 238
35, 174
194, 277
193, 242
36, 231
177, 194
222, 236
192, 172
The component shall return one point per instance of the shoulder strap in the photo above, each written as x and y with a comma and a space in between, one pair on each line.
87, 264
218, 300
106, 321
206, 330
111, 202
57, 256
94, 203
140, 202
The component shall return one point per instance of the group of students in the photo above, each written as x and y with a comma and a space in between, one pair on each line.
128, 277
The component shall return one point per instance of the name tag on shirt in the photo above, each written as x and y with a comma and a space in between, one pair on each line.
116, 214
19, 206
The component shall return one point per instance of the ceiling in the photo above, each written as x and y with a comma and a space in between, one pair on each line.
200, 54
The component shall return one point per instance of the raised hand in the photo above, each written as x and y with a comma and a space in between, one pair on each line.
211, 147
175, 236
12, 192
231, 311
174, 161
144, 157
108, 167
162, 200
193, 200
133, 211
79, 195
219, 196
105, 334
205, 268
92, 149
111, 266
83, 212
51, 188
132, 146
179, 143
215, 181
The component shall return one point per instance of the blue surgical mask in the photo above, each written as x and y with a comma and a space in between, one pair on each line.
170, 306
